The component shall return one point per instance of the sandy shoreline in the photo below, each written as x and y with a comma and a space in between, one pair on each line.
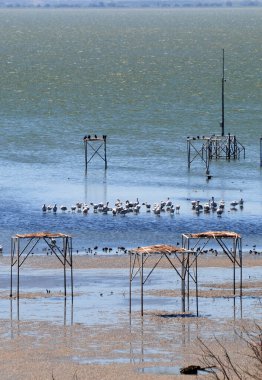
151, 347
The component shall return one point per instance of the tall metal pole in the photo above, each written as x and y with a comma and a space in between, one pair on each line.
85, 142
223, 104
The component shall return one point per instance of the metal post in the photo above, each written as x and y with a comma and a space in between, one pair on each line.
104, 137
64, 249
130, 280
142, 284
71, 256
196, 287
183, 285
11, 278
228, 146
241, 264
223, 103
18, 279
188, 154
85, 142
261, 151
234, 269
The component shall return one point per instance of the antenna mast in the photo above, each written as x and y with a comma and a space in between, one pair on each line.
223, 83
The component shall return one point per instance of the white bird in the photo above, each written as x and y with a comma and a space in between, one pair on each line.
219, 211
206, 207
85, 209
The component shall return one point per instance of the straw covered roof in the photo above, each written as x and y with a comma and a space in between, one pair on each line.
43, 234
158, 248
214, 234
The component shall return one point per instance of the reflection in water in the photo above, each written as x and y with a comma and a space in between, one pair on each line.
68, 311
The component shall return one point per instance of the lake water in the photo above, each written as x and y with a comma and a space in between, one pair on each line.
147, 79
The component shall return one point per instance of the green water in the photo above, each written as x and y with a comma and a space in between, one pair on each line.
145, 78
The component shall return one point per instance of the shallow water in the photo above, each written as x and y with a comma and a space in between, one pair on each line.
147, 79
102, 296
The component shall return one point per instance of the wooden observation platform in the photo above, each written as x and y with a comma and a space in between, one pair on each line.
92, 148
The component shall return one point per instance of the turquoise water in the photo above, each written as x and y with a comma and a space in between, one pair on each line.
147, 79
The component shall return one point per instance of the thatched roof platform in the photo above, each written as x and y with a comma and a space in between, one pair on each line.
43, 234
214, 234
158, 249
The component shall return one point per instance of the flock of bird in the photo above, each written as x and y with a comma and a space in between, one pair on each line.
121, 208
218, 207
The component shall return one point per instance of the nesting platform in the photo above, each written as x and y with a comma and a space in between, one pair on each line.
152, 256
184, 261
92, 149
231, 245
213, 147
22, 245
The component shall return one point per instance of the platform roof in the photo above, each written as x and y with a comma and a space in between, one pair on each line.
43, 234
214, 234
158, 249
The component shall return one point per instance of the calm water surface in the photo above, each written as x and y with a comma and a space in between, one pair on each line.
147, 79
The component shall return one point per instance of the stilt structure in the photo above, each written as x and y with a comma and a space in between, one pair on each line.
23, 245
213, 147
229, 242
144, 260
89, 142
